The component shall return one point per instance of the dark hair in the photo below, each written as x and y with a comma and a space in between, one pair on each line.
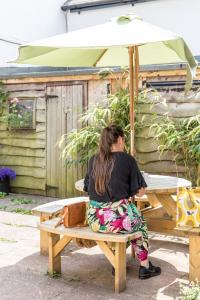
104, 161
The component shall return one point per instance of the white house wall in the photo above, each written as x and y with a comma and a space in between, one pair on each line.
180, 16
28, 20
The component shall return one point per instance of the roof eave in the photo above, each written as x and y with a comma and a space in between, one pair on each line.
96, 5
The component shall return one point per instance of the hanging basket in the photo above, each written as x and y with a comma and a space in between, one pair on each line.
5, 185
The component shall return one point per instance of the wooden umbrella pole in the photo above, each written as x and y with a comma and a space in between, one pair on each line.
136, 69
131, 89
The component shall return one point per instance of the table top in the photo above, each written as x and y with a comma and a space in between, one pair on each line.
154, 182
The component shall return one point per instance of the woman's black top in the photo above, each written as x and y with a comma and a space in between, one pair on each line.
126, 179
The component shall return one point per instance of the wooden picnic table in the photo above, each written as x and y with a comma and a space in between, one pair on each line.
161, 196
160, 216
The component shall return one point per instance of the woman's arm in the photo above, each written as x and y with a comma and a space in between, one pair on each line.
137, 182
141, 192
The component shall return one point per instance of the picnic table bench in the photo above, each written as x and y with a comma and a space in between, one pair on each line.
48, 211
54, 240
116, 256
194, 250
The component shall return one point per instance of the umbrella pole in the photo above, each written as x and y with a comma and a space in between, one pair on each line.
131, 90
136, 77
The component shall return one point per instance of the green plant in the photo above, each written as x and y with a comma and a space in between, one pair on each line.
18, 225
22, 211
182, 137
18, 201
20, 114
2, 239
189, 292
53, 275
2, 195
16, 113
114, 109
3, 207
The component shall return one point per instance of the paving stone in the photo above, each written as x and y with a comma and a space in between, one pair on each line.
86, 273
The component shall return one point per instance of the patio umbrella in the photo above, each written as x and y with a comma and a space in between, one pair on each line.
123, 41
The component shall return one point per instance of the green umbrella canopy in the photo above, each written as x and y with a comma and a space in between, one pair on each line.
107, 45
112, 44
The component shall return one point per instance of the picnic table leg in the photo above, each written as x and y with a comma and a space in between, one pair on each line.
194, 257
132, 252
54, 261
120, 267
44, 237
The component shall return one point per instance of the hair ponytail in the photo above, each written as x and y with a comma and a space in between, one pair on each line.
104, 161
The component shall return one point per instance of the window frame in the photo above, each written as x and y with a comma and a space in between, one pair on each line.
23, 98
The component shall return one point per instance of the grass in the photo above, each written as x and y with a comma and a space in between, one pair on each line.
18, 225
54, 275
3, 207
19, 201
73, 278
2, 239
2, 195
22, 211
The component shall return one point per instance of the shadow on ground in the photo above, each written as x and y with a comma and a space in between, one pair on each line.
86, 274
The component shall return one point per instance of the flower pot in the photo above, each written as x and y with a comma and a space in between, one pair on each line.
5, 185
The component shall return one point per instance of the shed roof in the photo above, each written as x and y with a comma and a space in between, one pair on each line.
23, 72
78, 5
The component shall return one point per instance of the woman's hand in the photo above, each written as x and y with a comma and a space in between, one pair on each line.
141, 192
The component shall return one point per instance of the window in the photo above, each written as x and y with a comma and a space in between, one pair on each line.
21, 113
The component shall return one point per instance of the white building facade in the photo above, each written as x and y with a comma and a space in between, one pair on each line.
28, 20
25, 21
180, 16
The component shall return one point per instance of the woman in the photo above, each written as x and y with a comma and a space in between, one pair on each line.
112, 178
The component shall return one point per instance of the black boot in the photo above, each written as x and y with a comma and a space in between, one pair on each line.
145, 273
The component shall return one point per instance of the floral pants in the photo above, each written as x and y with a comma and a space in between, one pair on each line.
120, 217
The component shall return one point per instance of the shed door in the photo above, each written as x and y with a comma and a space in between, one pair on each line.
64, 105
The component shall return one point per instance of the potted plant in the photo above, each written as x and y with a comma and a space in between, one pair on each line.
6, 174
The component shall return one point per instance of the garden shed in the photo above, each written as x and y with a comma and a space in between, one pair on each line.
55, 97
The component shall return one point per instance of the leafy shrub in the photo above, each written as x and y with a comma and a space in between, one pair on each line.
183, 138
85, 141
189, 292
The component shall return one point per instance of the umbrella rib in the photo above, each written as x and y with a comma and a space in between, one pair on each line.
98, 59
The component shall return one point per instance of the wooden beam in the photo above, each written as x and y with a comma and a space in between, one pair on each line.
87, 77
61, 244
44, 237
120, 267
153, 200
54, 261
169, 204
136, 70
194, 257
107, 252
132, 97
